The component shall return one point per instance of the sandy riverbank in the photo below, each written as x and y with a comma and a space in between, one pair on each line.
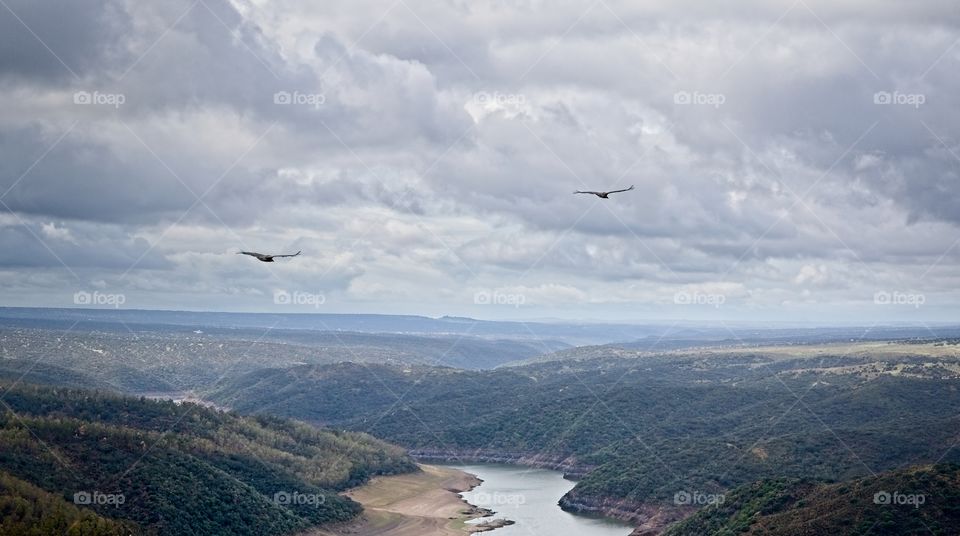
420, 504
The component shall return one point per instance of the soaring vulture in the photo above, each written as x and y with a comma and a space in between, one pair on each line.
605, 195
265, 258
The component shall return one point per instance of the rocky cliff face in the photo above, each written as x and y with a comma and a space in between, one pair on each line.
650, 519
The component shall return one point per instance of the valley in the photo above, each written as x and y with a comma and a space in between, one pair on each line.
442, 268
635, 432
642, 436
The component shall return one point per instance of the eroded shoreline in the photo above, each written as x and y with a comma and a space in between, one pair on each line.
426, 503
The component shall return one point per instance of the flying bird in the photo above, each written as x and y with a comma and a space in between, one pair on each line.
263, 257
605, 195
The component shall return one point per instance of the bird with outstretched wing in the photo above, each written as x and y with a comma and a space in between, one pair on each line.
604, 195
264, 257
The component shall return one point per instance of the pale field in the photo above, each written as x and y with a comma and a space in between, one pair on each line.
877, 349
421, 504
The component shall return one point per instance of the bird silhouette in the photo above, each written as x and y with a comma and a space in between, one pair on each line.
265, 258
604, 195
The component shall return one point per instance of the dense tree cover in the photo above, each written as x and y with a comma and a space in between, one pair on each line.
641, 429
186, 469
915, 500
26, 510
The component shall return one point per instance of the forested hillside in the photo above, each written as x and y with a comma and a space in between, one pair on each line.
26, 510
913, 501
641, 430
179, 469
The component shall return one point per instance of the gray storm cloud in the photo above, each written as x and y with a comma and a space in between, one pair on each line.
798, 156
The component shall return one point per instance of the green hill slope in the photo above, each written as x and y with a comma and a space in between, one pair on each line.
637, 431
26, 510
185, 469
912, 501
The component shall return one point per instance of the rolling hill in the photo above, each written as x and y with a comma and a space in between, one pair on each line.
911, 501
638, 431
26, 510
161, 360
178, 469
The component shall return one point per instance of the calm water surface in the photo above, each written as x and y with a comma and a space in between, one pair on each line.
529, 497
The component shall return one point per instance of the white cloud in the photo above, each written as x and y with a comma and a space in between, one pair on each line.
450, 136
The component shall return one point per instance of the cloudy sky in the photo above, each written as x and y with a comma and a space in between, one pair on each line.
793, 160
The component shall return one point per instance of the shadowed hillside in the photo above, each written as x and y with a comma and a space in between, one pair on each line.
913, 501
638, 431
185, 469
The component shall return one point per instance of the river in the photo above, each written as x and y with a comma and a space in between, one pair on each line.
529, 497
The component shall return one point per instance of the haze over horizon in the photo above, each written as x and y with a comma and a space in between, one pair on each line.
794, 161
669, 324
